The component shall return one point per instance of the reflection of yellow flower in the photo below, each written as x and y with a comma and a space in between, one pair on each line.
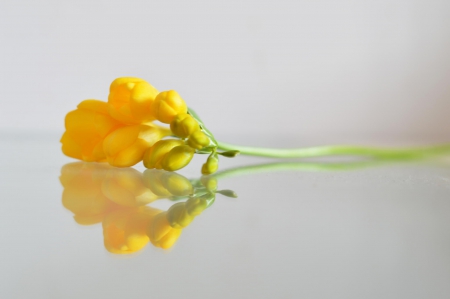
131, 99
86, 129
97, 192
83, 194
167, 184
126, 146
124, 230
125, 186
160, 232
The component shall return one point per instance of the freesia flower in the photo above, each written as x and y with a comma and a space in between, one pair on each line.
167, 105
126, 146
131, 99
86, 128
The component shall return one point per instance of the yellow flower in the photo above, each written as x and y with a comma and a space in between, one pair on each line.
83, 194
183, 125
154, 156
178, 157
125, 186
167, 105
126, 146
198, 140
86, 128
160, 232
130, 100
124, 230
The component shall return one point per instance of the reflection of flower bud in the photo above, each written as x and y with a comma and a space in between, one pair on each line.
125, 186
198, 140
82, 193
126, 146
167, 184
178, 216
167, 105
160, 232
195, 206
183, 125
86, 129
178, 157
130, 100
153, 156
177, 184
124, 230
211, 165
209, 182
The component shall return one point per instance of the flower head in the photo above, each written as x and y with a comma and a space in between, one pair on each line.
167, 105
86, 129
131, 99
126, 146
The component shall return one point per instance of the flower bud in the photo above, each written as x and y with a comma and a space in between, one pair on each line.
178, 157
153, 156
86, 128
211, 165
167, 105
160, 232
130, 100
183, 125
126, 146
198, 140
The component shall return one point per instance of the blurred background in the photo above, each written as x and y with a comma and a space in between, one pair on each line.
292, 72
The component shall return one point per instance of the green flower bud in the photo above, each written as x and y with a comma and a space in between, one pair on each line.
178, 157
184, 125
211, 165
198, 140
154, 156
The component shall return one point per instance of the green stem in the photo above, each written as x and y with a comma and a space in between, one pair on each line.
338, 150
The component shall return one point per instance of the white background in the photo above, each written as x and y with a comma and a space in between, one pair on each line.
309, 72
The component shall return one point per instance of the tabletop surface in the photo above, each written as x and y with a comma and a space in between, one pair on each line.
315, 229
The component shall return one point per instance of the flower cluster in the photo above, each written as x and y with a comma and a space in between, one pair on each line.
122, 132
119, 197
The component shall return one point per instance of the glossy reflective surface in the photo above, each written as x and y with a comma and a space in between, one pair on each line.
360, 230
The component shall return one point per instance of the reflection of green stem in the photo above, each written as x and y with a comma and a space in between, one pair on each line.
341, 150
283, 166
